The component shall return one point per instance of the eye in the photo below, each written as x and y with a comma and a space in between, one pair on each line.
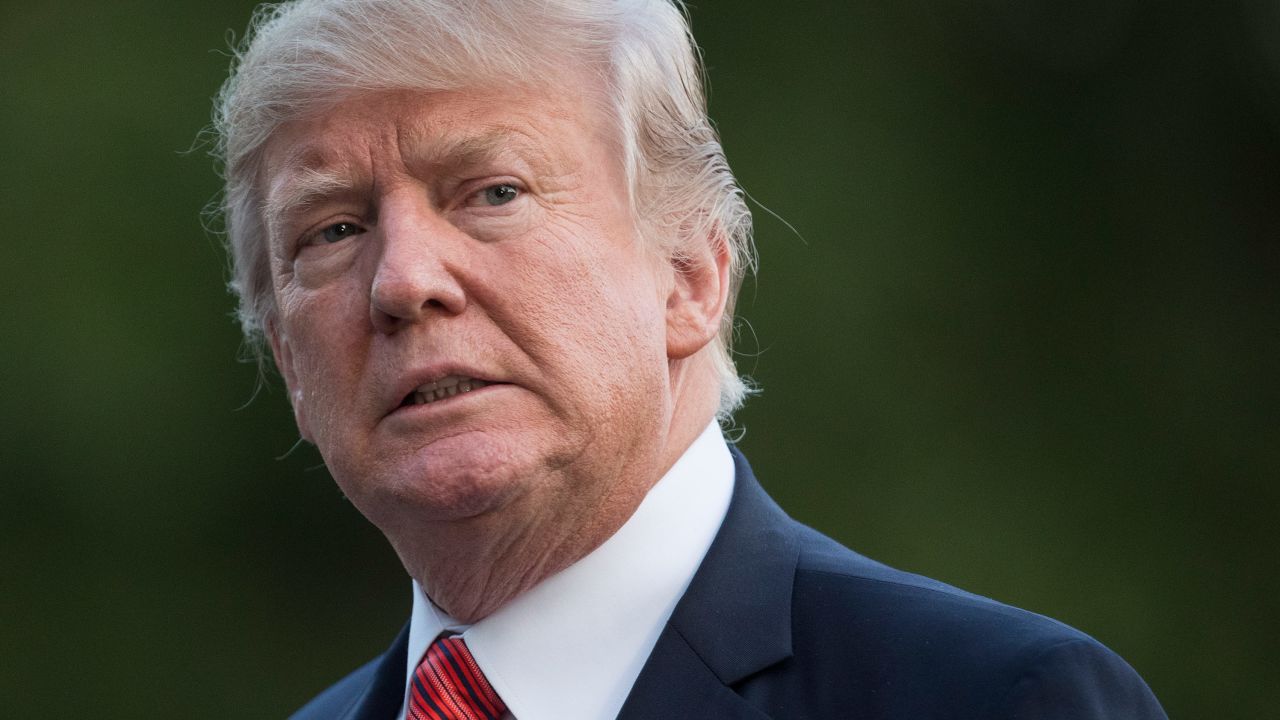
499, 194
338, 232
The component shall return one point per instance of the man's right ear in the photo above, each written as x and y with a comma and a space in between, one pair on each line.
283, 355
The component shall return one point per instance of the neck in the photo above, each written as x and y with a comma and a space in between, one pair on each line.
492, 559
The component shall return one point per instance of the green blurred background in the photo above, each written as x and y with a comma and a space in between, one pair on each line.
1025, 339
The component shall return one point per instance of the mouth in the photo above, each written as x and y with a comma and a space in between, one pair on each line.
443, 389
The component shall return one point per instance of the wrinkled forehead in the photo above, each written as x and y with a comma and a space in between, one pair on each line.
571, 92
337, 145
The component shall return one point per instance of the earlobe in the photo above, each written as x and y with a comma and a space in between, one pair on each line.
698, 296
283, 355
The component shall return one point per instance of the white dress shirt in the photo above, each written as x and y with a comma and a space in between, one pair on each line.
571, 647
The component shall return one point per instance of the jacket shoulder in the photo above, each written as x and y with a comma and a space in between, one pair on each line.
832, 580
903, 645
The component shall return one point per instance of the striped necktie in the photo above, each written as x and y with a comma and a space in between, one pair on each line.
448, 685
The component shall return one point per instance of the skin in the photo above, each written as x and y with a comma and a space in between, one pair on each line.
485, 234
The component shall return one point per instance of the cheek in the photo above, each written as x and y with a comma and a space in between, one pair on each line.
608, 323
327, 345
330, 310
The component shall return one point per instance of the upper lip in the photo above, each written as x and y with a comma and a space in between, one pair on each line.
411, 381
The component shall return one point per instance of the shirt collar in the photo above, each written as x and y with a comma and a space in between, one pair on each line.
572, 646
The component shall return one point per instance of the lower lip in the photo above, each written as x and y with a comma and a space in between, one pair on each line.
448, 402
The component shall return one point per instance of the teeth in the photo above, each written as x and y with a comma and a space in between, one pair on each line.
445, 387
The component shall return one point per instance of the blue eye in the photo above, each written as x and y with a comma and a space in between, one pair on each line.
340, 231
500, 194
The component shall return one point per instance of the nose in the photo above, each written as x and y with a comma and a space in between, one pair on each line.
416, 274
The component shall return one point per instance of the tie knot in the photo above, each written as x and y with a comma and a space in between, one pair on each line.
448, 685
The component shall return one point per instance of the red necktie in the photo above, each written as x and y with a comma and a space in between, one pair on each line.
448, 685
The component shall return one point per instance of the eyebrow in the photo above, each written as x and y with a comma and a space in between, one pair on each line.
491, 143
307, 178
302, 186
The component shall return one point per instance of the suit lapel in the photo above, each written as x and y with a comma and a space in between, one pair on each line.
732, 622
676, 683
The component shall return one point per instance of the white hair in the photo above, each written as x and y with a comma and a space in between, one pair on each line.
303, 56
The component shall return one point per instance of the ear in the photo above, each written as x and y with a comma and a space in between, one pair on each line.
698, 295
283, 355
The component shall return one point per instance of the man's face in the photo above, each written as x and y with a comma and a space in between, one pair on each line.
466, 320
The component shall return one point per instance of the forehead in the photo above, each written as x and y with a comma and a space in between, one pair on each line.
436, 130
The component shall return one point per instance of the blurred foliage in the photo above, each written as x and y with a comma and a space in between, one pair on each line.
1024, 338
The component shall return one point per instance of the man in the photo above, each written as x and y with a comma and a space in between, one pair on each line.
493, 246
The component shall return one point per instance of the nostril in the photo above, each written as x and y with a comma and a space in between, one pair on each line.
436, 304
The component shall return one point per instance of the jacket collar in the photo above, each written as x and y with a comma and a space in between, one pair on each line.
745, 582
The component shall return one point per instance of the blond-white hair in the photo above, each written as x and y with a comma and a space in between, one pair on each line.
303, 56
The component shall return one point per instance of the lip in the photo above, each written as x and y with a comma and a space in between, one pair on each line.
432, 373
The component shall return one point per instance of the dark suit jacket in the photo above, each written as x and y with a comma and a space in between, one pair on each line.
783, 622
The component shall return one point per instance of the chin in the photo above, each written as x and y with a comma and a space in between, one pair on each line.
452, 479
